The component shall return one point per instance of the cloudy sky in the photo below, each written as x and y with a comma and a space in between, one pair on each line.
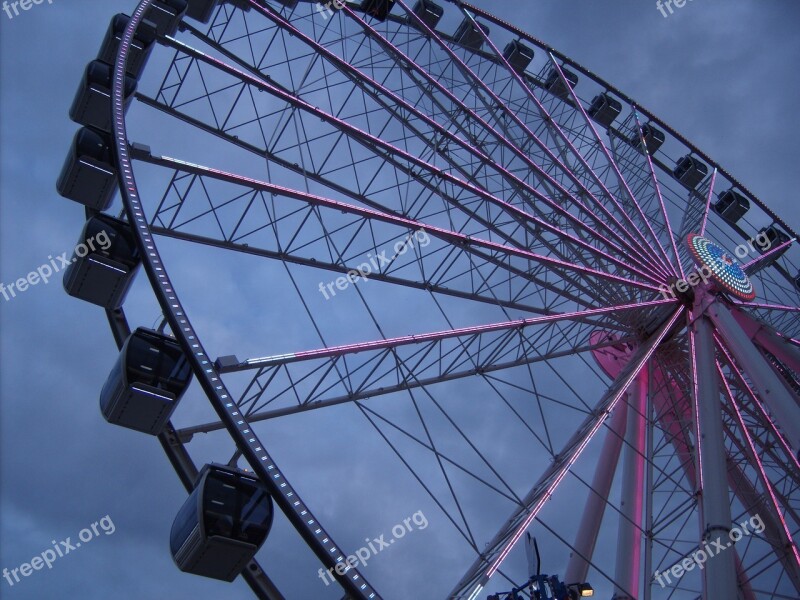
721, 72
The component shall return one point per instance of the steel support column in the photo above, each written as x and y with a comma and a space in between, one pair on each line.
719, 576
765, 337
783, 405
586, 539
629, 548
648, 496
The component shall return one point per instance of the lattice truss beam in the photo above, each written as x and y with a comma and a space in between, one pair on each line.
353, 162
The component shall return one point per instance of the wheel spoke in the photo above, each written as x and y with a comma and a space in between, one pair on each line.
498, 549
431, 358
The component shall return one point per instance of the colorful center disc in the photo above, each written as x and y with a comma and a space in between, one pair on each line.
723, 267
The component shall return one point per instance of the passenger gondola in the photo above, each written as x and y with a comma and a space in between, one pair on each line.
731, 206
92, 103
470, 36
429, 12
141, 46
89, 175
378, 9
104, 263
518, 55
653, 138
604, 109
147, 382
222, 524
166, 15
201, 10
774, 238
690, 171
555, 85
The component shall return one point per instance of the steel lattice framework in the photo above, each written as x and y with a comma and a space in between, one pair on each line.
536, 306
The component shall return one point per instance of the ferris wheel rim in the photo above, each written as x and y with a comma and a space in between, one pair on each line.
203, 368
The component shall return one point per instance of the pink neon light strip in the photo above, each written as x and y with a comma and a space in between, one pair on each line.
645, 249
658, 193
708, 202
762, 409
696, 406
768, 306
431, 122
767, 254
760, 465
565, 468
439, 232
612, 162
450, 333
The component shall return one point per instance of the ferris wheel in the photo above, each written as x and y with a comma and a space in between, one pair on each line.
470, 272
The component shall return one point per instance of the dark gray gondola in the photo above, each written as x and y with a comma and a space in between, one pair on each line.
555, 85
690, 171
92, 103
776, 238
378, 9
468, 35
140, 49
654, 138
731, 206
103, 276
166, 15
518, 55
429, 12
244, 5
201, 10
222, 524
88, 175
604, 109
147, 382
